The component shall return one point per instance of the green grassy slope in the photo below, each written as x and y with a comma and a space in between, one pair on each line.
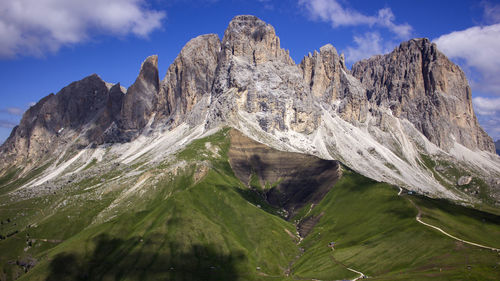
199, 222
376, 233
464, 222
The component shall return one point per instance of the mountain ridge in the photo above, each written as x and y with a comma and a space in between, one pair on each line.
368, 117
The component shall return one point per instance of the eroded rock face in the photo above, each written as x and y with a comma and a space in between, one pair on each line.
322, 71
251, 38
45, 125
265, 80
139, 102
190, 76
290, 180
332, 84
107, 122
415, 82
418, 83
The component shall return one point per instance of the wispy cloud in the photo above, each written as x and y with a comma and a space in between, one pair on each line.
35, 27
491, 12
490, 125
479, 48
266, 4
7, 124
486, 106
337, 15
12, 110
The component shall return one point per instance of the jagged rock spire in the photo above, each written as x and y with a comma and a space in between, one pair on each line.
139, 101
189, 77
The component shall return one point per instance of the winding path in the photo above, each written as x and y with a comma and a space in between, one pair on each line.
361, 275
418, 218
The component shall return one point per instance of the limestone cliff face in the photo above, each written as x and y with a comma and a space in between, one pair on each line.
251, 38
322, 71
107, 122
49, 123
265, 81
418, 83
332, 84
190, 76
140, 99
415, 82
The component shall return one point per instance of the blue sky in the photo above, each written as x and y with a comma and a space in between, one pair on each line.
47, 44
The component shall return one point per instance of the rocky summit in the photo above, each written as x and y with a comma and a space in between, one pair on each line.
241, 164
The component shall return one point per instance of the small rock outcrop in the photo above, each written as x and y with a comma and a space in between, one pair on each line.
464, 180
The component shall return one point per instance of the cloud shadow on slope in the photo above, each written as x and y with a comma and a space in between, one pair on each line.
116, 259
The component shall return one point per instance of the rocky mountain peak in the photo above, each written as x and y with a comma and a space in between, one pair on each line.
251, 38
138, 103
419, 83
189, 77
47, 125
321, 72
149, 71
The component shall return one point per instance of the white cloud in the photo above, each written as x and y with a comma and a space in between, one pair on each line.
35, 27
479, 48
367, 45
488, 113
332, 11
491, 125
486, 106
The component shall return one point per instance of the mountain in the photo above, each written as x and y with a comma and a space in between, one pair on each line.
405, 118
497, 146
247, 165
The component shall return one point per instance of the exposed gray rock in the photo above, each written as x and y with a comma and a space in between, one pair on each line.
106, 125
190, 76
418, 83
464, 180
322, 71
49, 123
249, 37
266, 81
139, 102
